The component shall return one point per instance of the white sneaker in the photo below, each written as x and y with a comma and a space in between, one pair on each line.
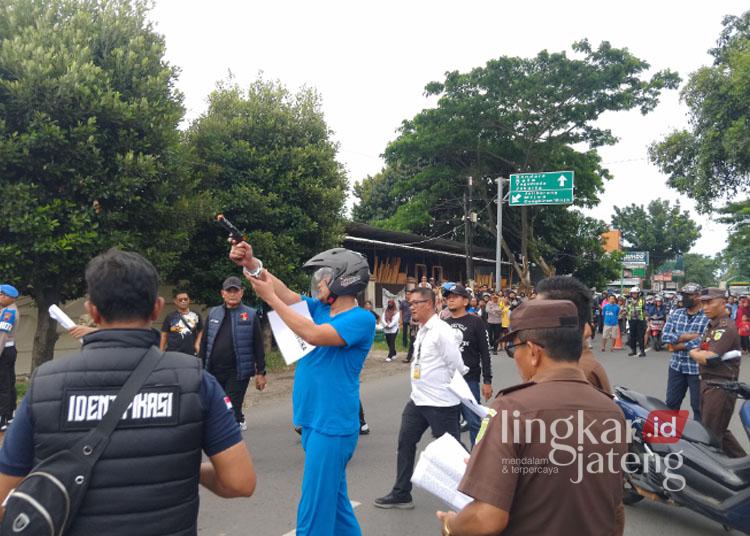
388, 359
243, 425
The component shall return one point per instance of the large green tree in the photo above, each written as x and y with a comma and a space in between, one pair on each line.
264, 157
511, 115
736, 256
710, 161
662, 229
89, 147
701, 269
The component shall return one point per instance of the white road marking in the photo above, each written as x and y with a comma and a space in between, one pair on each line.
293, 532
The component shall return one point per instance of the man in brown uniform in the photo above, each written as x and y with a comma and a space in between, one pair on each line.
548, 460
571, 289
721, 336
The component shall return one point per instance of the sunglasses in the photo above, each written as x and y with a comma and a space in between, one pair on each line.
510, 348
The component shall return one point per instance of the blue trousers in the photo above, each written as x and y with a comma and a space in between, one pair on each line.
471, 418
324, 508
677, 384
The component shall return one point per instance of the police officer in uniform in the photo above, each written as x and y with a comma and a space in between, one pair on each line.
717, 405
8, 329
146, 481
529, 473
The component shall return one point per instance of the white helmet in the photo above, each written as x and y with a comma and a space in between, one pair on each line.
637, 290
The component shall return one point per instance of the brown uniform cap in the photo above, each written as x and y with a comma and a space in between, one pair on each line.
542, 314
711, 293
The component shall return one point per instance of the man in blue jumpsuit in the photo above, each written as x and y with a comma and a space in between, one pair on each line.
326, 383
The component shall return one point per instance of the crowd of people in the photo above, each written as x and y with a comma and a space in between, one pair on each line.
449, 328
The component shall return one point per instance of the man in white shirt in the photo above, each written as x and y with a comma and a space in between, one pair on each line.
432, 405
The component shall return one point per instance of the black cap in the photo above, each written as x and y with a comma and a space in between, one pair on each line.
456, 288
231, 282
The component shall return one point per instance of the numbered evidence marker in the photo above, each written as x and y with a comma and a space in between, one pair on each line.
546, 188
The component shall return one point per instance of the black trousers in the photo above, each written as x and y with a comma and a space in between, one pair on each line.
235, 389
414, 421
637, 331
678, 384
494, 332
390, 338
8, 382
405, 335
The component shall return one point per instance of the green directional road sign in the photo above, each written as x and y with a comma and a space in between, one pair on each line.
548, 188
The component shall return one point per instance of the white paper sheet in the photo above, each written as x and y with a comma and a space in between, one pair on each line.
461, 389
732, 354
439, 471
292, 347
58, 314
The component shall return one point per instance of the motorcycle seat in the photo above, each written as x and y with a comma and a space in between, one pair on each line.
649, 403
696, 433
693, 431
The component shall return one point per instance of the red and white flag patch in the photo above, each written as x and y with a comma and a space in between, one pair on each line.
228, 402
244, 317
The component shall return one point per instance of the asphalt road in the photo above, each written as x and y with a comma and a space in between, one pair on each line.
279, 461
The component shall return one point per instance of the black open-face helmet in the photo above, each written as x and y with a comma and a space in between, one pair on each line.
347, 271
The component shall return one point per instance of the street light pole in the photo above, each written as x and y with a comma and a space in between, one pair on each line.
499, 241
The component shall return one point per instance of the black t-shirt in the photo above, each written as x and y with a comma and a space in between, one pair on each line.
475, 346
223, 358
182, 334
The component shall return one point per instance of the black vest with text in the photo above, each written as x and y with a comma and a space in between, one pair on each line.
146, 481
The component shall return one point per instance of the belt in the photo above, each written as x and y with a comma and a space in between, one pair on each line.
10, 344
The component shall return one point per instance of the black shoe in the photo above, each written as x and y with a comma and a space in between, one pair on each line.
631, 354
406, 360
298, 429
642, 354
392, 501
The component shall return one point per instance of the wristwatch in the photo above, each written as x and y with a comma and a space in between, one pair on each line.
255, 273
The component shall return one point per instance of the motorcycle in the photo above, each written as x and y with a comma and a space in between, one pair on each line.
691, 471
655, 327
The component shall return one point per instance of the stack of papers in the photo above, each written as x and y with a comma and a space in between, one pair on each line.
460, 388
439, 471
292, 346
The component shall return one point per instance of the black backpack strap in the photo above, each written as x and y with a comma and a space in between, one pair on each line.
93, 445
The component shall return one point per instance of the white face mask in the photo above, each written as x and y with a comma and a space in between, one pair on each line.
321, 274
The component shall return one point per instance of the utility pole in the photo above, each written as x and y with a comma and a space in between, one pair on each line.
469, 218
499, 241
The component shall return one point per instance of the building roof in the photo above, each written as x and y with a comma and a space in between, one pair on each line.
367, 234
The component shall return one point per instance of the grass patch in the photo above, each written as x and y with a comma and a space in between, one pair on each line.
21, 388
275, 362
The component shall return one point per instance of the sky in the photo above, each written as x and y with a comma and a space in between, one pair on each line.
370, 62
